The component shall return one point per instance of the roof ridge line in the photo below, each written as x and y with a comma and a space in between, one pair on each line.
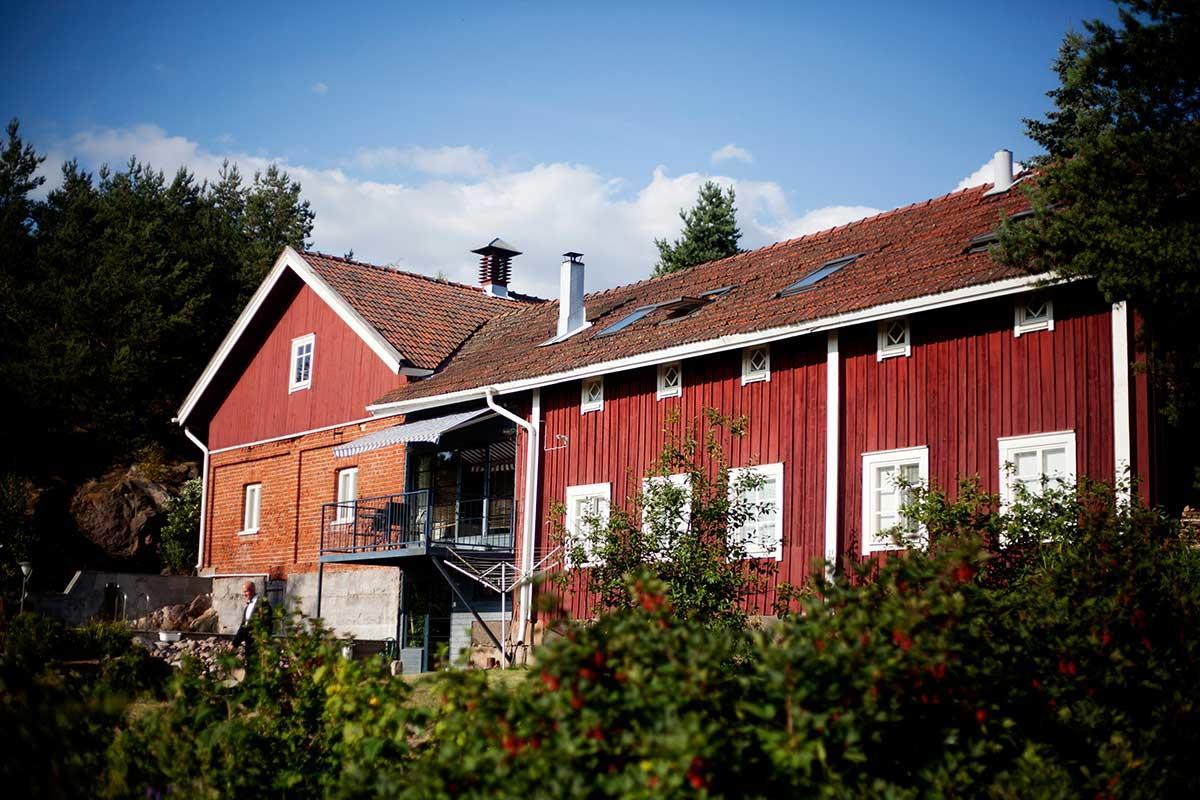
411, 274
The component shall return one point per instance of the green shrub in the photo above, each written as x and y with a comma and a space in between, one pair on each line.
179, 538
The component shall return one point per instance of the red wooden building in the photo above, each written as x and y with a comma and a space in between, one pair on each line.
893, 346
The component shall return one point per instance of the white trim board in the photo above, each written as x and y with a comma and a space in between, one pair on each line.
1122, 433
288, 259
736, 341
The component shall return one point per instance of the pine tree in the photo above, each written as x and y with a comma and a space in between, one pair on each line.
1117, 198
274, 217
710, 232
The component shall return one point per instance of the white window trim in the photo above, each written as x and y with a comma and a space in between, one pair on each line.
1009, 445
887, 350
770, 471
1020, 326
297, 343
751, 376
571, 523
346, 506
250, 522
665, 391
871, 462
585, 405
681, 479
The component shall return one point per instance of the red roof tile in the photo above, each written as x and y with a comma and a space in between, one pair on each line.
907, 253
425, 318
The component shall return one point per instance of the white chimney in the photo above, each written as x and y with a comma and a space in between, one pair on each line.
571, 315
1002, 172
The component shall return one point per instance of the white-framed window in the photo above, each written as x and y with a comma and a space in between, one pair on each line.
1031, 313
591, 396
1035, 461
251, 504
888, 479
895, 338
347, 494
756, 364
302, 362
762, 537
587, 507
670, 380
681, 481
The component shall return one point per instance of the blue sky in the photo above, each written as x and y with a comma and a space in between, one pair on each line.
421, 131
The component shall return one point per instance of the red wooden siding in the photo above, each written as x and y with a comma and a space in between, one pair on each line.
346, 375
970, 381
619, 444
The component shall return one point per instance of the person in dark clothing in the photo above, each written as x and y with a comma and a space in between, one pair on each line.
255, 615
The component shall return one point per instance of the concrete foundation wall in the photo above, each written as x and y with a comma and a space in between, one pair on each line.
362, 603
83, 598
463, 634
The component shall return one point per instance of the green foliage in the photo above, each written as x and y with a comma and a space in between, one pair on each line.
1118, 195
116, 289
62, 694
179, 538
303, 723
1046, 651
710, 231
683, 535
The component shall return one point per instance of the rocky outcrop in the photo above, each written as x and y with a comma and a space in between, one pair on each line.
199, 616
122, 512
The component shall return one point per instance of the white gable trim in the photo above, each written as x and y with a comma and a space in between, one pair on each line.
289, 259
736, 341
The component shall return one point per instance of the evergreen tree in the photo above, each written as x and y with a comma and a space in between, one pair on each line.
274, 217
1118, 195
710, 232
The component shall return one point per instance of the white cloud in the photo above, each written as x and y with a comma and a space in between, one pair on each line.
431, 225
984, 175
731, 152
461, 161
320, 87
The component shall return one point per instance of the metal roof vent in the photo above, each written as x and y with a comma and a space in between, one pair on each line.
495, 266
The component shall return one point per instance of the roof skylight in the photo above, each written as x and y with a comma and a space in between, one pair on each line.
980, 243
819, 274
679, 307
626, 321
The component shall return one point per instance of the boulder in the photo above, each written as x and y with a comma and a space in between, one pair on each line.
122, 512
209, 621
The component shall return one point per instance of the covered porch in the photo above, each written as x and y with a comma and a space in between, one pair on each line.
449, 530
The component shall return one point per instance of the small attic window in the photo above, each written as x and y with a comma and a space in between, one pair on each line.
819, 274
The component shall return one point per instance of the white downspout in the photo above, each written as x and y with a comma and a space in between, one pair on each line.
528, 537
203, 496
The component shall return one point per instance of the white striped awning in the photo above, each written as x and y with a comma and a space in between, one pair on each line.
426, 430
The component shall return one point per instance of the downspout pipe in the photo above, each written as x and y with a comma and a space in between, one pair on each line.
532, 429
203, 496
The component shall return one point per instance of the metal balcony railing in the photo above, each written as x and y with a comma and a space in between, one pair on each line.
400, 521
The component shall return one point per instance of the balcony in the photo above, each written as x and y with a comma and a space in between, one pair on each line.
411, 524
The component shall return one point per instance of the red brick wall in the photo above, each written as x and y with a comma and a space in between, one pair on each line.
298, 476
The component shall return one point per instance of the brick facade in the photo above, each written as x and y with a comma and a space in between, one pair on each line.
298, 475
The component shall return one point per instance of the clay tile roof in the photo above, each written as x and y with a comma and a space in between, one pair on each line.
425, 318
906, 253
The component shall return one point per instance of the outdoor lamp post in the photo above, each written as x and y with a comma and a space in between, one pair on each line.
26, 571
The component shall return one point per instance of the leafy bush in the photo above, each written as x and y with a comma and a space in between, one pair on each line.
179, 538
62, 693
1046, 651
684, 535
